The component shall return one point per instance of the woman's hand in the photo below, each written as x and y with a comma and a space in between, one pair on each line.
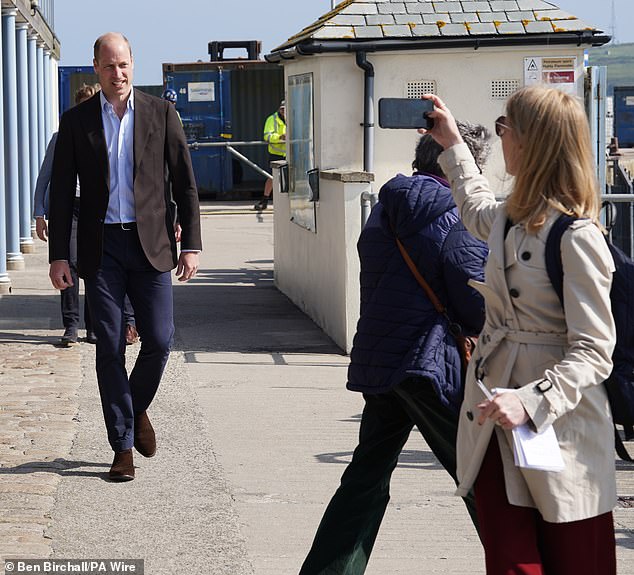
445, 131
505, 409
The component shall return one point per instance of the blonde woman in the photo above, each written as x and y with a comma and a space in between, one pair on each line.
535, 522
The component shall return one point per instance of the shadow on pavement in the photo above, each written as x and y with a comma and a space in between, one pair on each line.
241, 310
59, 466
408, 459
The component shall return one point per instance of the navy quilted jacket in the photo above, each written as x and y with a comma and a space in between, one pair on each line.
399, 333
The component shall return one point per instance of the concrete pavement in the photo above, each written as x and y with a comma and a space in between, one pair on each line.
254, 427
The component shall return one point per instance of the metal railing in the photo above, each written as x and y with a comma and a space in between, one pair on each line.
618, 216
229, 146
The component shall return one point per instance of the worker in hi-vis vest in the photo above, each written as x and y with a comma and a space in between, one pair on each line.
275, 136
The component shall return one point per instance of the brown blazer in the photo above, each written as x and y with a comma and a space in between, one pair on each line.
160, 152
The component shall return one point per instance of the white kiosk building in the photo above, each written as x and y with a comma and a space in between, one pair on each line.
473, 54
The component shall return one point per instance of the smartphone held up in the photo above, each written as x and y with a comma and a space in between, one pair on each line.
405, 113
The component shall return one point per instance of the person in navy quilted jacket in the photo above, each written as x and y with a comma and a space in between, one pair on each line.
404, 360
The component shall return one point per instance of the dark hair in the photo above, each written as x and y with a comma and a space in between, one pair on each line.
476, 136
427, 152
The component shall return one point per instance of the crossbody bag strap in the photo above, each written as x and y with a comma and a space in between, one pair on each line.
419, 278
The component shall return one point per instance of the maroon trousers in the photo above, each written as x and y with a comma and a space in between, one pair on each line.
517, 540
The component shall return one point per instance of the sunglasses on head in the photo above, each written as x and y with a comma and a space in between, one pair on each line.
501, 127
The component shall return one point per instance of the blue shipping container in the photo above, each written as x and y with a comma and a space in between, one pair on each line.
204, 104
624, 115
71, 79
225, 101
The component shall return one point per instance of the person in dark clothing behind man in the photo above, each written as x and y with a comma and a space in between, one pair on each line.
70, 295
404, 359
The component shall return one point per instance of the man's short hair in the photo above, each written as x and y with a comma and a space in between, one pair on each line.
99, 41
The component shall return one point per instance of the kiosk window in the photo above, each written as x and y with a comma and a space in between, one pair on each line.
300, 149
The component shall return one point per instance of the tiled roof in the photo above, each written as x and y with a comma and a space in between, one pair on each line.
365, 19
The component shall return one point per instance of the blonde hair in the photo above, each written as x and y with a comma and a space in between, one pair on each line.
556, 165
85, 91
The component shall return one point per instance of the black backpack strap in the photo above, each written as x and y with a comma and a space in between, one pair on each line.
620, 448
554, 266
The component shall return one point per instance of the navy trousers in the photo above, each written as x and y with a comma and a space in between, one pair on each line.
347, 532
70, 295
125, 269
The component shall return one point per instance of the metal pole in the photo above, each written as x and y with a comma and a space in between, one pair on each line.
248, 162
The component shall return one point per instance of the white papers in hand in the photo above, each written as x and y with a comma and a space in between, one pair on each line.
533, 450
537, 450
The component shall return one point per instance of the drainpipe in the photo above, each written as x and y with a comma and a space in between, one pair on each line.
368, 111
368, 199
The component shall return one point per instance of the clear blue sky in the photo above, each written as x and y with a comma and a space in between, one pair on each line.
162, 31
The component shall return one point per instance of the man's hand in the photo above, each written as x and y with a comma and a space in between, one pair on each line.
41, 229
187, 266
59, 273
177, 232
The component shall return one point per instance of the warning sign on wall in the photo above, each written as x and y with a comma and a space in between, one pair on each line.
558, 72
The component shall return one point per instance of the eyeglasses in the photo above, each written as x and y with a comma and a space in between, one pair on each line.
501, 127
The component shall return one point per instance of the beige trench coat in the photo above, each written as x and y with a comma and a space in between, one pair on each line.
555, 362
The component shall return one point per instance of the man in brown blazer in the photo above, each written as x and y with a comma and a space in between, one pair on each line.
122, 144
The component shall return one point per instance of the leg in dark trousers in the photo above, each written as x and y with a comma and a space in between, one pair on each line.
349, 527
70, 295
125, 269
437, 424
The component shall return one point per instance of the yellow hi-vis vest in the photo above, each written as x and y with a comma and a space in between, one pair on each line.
274, 129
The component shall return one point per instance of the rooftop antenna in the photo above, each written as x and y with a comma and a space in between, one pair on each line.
613, 23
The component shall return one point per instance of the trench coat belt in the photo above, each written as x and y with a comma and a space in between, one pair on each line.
538, 338
489, 342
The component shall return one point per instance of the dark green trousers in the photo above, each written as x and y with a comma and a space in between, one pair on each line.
349, 527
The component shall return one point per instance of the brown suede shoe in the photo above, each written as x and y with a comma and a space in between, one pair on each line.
122, 467
144, 438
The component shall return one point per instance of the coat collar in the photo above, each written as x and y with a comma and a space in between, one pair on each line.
90, 117
144, 119
496, 240
144, 123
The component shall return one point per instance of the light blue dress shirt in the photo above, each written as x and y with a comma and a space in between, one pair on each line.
120, 144
43, 183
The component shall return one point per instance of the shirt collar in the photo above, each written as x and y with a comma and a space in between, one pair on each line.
107, 106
